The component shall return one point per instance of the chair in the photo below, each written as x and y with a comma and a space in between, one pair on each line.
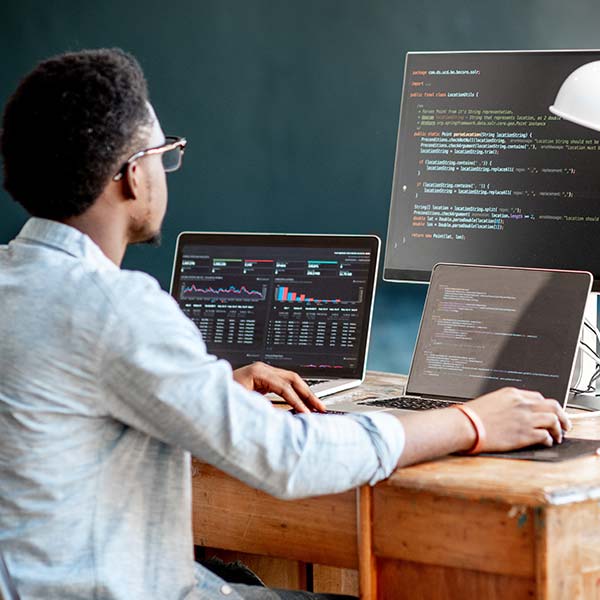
8, 591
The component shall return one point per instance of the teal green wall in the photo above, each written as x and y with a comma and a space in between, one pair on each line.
290, 106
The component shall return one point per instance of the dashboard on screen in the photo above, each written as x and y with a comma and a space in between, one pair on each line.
293, 301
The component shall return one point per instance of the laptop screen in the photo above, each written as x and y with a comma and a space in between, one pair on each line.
484, 328
301, 302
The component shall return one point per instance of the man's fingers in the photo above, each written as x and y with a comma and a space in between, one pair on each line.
290, 386
565, 422
550, 422
287, 392
557, 409
302, 390
550, 405
287, 384
541, 436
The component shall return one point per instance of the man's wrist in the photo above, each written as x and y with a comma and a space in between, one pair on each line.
466, 432
478, 428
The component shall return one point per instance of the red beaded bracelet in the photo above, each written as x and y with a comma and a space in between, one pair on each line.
480, 434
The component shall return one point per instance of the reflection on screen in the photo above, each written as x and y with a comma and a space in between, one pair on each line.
487, 328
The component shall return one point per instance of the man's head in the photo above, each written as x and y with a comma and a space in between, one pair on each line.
69, 127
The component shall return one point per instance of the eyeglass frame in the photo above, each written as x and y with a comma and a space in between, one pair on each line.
171, 142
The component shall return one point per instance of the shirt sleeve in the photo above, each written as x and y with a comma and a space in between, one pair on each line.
157, 377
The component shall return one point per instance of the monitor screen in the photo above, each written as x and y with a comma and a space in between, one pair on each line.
485, 174
301, 302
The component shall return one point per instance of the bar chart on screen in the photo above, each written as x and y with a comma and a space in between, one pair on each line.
309, 295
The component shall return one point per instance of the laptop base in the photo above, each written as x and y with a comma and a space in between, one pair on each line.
332, 386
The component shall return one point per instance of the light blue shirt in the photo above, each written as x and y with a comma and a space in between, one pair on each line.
105, 390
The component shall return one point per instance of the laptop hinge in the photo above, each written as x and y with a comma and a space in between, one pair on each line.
436, 397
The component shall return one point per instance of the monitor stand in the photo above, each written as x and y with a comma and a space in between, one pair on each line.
585, 364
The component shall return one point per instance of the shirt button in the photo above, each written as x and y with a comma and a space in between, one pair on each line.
226, 590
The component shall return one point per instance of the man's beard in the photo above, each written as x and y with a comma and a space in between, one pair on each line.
154, 240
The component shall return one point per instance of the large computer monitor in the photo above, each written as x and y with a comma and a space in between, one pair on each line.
485, 174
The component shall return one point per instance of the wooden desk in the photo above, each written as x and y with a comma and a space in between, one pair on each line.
459, 527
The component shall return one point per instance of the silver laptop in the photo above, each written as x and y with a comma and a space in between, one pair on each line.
484, 328
299, 302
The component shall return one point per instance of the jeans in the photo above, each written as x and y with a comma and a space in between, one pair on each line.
248, 585
253, 592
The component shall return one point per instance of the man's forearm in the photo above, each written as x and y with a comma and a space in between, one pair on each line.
435, 433
501, 420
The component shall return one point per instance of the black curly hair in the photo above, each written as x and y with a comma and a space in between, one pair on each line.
68, 126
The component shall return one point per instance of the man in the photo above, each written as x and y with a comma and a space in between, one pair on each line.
106, 387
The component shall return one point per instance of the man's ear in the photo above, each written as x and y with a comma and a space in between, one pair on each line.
131, 181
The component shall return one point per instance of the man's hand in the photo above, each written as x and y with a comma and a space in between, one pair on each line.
263, 378
512, 419
516, 418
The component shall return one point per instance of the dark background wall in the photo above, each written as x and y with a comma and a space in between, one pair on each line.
290, 107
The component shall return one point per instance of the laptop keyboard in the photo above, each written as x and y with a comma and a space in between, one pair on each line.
402, 402
408, 403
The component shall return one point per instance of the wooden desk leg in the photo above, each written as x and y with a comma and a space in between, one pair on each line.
367, 579
568, 551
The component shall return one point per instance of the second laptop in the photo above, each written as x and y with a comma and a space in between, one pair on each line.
300, 302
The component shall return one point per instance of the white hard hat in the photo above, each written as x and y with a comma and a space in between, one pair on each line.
578, 99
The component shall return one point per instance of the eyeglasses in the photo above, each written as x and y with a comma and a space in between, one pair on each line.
171, 151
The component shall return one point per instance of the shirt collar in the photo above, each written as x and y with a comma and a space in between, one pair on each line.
64, 238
